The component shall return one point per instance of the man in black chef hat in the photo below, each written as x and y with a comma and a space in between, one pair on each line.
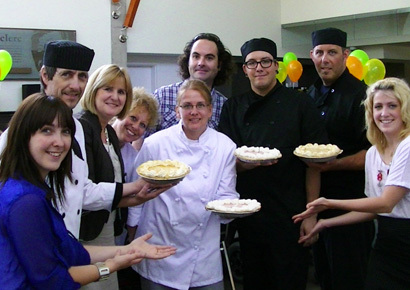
341, 253
271, 115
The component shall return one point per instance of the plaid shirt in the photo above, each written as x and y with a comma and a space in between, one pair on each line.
167, 100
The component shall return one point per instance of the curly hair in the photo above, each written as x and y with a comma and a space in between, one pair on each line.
227, 66
145, 100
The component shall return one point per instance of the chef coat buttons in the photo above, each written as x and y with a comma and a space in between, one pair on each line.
63, 215
78, 211
76, 182
196, 247
332, 90
177, 199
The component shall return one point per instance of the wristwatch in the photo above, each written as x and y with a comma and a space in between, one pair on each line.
103, 270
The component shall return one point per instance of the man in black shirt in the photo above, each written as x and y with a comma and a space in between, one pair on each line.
273, 116
341, 253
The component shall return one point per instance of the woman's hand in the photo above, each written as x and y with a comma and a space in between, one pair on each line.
150, 251
313, 208
121, 261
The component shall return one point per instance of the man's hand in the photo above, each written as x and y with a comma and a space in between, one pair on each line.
243, 166
306, 228
314, 233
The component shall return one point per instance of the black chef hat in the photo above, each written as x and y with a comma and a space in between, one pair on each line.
329, 36
256, 44
68, 54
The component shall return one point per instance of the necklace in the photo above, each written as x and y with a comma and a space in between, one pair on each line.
106, 136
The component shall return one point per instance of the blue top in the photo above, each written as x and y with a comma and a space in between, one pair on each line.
35, 247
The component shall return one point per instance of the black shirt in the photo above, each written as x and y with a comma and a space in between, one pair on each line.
283, 119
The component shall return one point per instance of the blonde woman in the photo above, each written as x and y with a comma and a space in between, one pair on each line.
387, 187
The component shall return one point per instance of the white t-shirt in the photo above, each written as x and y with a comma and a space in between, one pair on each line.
379, 175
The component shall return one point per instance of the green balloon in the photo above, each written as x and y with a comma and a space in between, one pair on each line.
361, 55
5, 63
288, 57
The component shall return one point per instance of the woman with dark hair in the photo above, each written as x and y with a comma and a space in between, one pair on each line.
36, 249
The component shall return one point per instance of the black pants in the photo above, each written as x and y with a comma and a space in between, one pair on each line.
389, 266
341, 256
278, 264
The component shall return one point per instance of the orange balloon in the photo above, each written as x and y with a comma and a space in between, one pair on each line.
355, 66
294, 70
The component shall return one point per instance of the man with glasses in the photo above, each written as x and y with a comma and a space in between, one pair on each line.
273, 116
204, 58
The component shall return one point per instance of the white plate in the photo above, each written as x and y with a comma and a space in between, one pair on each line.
162, 181
232, 215
318, 159
262, 161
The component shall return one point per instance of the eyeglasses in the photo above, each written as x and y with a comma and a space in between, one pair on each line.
265, 63
190, 107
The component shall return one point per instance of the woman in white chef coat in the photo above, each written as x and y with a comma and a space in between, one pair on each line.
178, 216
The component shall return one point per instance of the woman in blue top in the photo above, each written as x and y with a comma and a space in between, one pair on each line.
37, 251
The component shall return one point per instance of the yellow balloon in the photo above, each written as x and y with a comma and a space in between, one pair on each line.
281, 75
375, 71
5, 63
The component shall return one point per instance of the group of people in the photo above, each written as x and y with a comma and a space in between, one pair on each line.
69, 185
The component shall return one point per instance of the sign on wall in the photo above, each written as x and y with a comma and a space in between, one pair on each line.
26, 47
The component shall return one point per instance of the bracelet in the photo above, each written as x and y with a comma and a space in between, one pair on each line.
103, 270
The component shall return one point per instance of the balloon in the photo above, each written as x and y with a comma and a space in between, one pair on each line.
375, 71
281, 75
294, 70
361, 55
288, 57
355, 67
5, 63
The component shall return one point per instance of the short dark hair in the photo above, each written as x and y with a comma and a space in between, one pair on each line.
34, 112
50, 72
226, 63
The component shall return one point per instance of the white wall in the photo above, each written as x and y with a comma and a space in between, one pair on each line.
294, 11
89, 18
160, 26
164, 26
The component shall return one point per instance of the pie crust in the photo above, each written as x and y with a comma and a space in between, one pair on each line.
317, 150
163, 169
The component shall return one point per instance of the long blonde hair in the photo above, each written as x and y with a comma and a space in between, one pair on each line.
401, 91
